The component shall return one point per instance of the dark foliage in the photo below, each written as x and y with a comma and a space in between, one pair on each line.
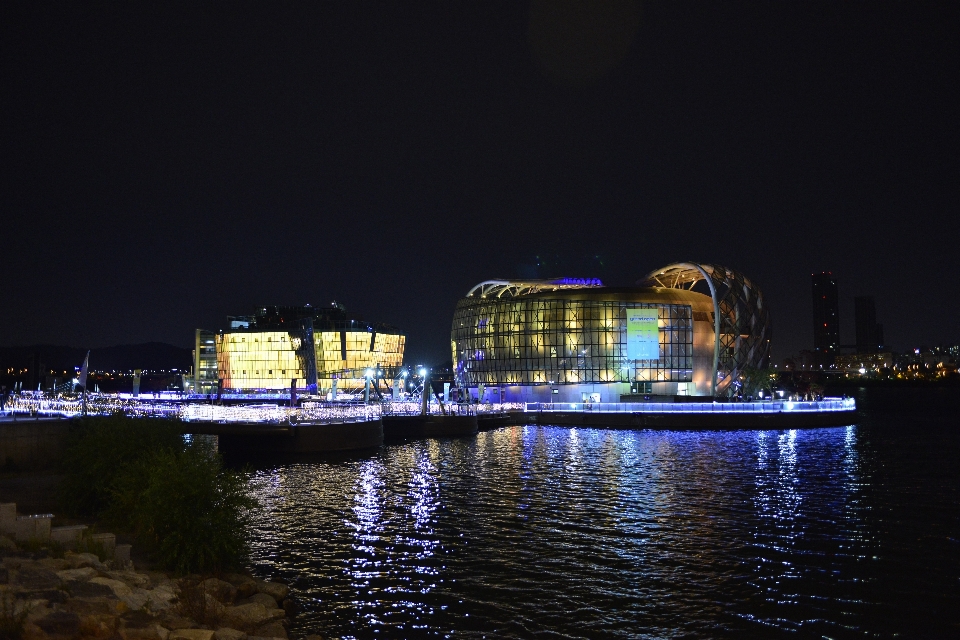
98, 449
176, 497
187, 509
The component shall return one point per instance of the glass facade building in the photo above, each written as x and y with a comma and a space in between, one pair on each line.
205, 362
308, 346
577, 341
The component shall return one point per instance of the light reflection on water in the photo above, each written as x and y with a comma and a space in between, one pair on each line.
563, 532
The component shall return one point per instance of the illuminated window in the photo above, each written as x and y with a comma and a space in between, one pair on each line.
535, 340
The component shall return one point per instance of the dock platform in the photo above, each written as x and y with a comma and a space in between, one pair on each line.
782, 414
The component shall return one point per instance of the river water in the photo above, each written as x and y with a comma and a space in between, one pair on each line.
550, 532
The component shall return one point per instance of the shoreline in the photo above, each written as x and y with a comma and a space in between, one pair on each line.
82, 595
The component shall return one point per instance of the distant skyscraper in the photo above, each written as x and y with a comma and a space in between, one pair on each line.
826, 317
869, 332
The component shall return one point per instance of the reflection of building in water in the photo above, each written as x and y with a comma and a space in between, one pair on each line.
312, 346
686, 329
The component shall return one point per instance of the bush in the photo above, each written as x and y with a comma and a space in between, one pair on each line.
186, 508
177, 499
96, 452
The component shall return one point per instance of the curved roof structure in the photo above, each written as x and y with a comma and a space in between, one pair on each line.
513, 331
741, 320
513, 288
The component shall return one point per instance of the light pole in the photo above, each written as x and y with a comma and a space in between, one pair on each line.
366, 386
424, 398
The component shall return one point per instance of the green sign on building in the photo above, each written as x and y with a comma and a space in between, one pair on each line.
643, 335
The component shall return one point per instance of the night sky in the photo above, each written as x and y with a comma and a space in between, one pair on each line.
165, 165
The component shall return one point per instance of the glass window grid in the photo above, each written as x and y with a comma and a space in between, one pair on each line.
205, 362
745, 328
556, 341
387, 352
268, 360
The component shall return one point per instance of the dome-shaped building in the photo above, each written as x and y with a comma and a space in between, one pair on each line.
685, 329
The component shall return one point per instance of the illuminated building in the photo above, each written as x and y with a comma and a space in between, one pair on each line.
864, 362
308, 346
686, 329
205, 362
826, 317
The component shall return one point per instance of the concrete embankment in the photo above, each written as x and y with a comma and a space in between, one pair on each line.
32, 442
260, 438
491, 421
429, 426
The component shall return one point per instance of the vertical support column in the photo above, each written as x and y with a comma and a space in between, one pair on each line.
425, 397
307, 354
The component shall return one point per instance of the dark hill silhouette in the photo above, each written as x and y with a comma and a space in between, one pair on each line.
154, 356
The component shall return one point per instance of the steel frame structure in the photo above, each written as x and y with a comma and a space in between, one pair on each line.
742, 325
514, 288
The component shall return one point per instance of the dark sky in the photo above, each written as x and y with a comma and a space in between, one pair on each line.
165, 165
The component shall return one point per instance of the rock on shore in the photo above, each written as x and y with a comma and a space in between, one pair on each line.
78, 596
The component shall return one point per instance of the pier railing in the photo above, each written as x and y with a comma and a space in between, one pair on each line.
779, 406
434, 409
46, 406
38, 405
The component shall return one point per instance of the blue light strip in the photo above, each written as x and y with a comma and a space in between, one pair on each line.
780, 406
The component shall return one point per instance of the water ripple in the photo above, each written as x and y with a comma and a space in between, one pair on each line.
542, 532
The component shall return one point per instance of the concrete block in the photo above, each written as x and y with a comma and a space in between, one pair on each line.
44, 523
38, 526
107, 540
68, 536
8, 518
122, 553
26, 528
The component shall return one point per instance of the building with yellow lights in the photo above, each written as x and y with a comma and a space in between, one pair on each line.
685, 329
314, 348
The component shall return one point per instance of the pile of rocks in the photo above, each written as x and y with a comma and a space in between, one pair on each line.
80, 596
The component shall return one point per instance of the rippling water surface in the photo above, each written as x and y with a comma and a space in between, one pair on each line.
562, 532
